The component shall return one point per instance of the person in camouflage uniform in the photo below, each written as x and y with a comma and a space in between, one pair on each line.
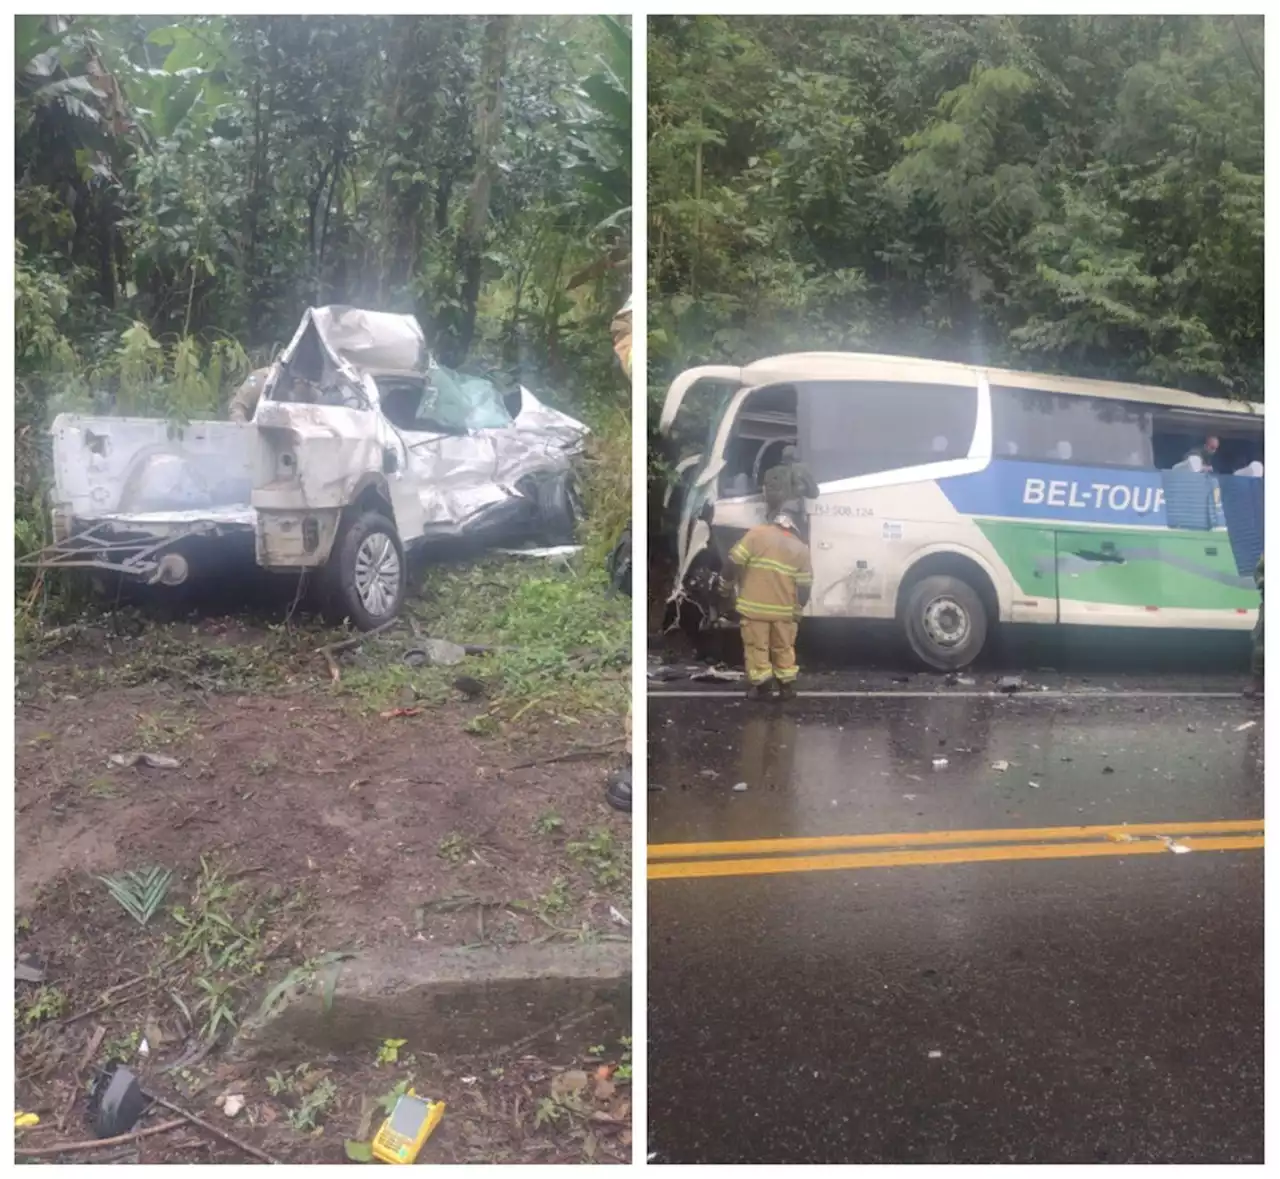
788, 485
617, 789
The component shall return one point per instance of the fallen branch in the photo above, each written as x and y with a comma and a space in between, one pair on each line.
104, 1004
578, 753
252, 1151
355, 640
95, 1143
95, 1040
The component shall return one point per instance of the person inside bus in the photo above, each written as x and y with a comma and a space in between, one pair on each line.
1205, 452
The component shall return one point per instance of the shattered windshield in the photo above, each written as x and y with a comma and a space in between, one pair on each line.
459, 401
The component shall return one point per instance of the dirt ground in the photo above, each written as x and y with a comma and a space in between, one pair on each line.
297, 823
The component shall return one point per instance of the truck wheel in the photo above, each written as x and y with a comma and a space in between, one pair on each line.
945, 622
365, 576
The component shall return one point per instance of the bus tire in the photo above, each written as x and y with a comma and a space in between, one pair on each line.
365, 577
945, 622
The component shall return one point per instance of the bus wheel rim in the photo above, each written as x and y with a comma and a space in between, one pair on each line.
946, 622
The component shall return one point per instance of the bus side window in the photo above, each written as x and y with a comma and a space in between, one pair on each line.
1067, 428
852, 428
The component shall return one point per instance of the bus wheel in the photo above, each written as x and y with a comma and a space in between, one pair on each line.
945, 622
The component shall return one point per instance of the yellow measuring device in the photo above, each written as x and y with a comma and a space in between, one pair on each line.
401, 1136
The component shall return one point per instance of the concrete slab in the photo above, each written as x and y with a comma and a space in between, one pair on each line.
448, 1001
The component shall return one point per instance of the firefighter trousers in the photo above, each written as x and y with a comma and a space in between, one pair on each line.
769, 647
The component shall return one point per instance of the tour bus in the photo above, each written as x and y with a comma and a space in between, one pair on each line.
953, 498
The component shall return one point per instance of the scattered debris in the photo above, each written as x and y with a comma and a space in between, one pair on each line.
555, 550
719, 675
1009, 684
618, 917
1034, 785
24, 1121
470, 687
1246, 725
740, 788
708, 774
1174, 846
1107, 770
911, 797
935, 1054
1000, 767
435, 653
230, 1103
955, 679
25, 971
393, 713
156, 761
1121, 837
940, 763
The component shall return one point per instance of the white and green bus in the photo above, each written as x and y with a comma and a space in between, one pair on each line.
954, 498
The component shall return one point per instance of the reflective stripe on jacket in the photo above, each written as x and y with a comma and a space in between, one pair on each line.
774, 561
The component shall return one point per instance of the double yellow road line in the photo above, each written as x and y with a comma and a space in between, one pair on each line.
762, 857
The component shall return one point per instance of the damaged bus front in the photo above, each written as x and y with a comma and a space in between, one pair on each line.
360, 449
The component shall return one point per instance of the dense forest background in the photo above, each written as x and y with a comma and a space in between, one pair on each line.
187, 186
1080, 194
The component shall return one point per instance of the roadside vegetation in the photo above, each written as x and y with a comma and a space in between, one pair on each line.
1078, 194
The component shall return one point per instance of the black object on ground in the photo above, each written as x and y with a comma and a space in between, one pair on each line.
119, 1102
617, 790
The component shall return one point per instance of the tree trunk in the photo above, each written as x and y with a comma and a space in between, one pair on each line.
488, 125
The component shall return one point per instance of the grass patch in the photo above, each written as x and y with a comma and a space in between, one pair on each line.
560, 642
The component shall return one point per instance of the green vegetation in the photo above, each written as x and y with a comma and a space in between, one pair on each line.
1071, 193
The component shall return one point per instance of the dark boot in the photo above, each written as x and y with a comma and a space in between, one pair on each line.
617, 790
761, 691
786, 691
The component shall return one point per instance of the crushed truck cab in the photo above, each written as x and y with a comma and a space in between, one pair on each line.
360, 449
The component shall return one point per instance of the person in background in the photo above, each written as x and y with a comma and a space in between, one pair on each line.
1256, 660
617, 789
771, 575
245, 399
1205, 452
788, 485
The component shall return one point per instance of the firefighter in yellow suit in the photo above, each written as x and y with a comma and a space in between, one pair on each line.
772, 573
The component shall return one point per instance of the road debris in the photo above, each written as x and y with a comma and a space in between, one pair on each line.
118, 1102
617, 917
935, 1054
29, 972
1000, 767
230, 1103
1246, 725
719, 675
940, 763
394, 713
435, 653
1034, 785
1178, 849
740, 788
1009, 684
24, 1121
155, 761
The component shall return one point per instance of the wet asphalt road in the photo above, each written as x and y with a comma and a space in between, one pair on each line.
1074, 1008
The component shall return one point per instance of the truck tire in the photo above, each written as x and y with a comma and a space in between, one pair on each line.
364, 580
945, 622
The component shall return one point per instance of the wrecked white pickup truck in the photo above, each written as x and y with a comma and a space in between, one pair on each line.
360, 449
